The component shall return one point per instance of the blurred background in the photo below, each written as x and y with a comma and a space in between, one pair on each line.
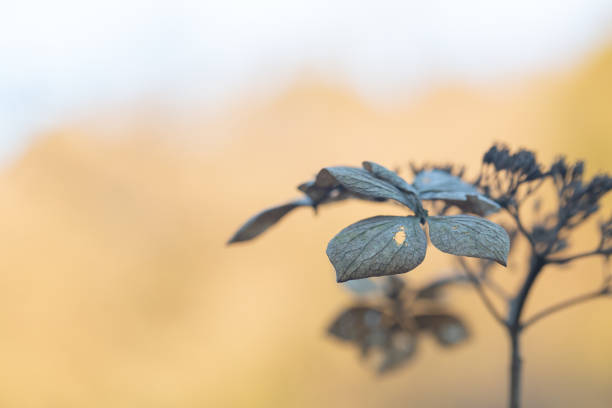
136, 136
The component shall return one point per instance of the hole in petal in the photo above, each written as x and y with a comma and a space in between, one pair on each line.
400, 236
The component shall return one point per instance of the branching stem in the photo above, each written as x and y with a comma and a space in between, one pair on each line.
481, 292
565, 304
598, 251
519, 224
514, 328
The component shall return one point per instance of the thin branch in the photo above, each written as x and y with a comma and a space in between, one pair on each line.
491, 284
495, 288
598, 251
443, 281
565, 304
481, 292
520, 226
530, 190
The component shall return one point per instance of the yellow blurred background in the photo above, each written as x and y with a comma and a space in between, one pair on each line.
117, 289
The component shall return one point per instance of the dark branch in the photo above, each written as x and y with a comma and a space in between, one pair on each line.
495, 288
599, 251
518, 303
481, 292
443, 281
565, 304
519, 224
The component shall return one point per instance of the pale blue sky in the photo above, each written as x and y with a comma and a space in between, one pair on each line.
61, 58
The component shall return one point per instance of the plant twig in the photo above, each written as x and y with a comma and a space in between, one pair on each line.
598, 251
495, 288
519, 224
481, 292
565, 304
446, 280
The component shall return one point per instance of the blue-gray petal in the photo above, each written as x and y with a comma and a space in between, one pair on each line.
260, 222
468, 202
466, 235
377, 246
438, 180
389, 176
360, 181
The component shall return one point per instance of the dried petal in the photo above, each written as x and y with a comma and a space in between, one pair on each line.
265, 219
359, 181
466, 235
377, 246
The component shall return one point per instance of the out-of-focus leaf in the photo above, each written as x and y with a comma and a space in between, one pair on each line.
447, 329
361, 286
441, 181
474, 203
377, 246
316, 193
466, 235
383, 173
400, 349
376, 338
359, 181
356, 323
433, 290
324, 195
393, 286
265, 219
440, 185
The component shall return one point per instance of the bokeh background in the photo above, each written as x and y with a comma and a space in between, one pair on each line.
135, 137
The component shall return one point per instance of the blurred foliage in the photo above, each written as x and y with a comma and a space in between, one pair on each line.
391, 325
